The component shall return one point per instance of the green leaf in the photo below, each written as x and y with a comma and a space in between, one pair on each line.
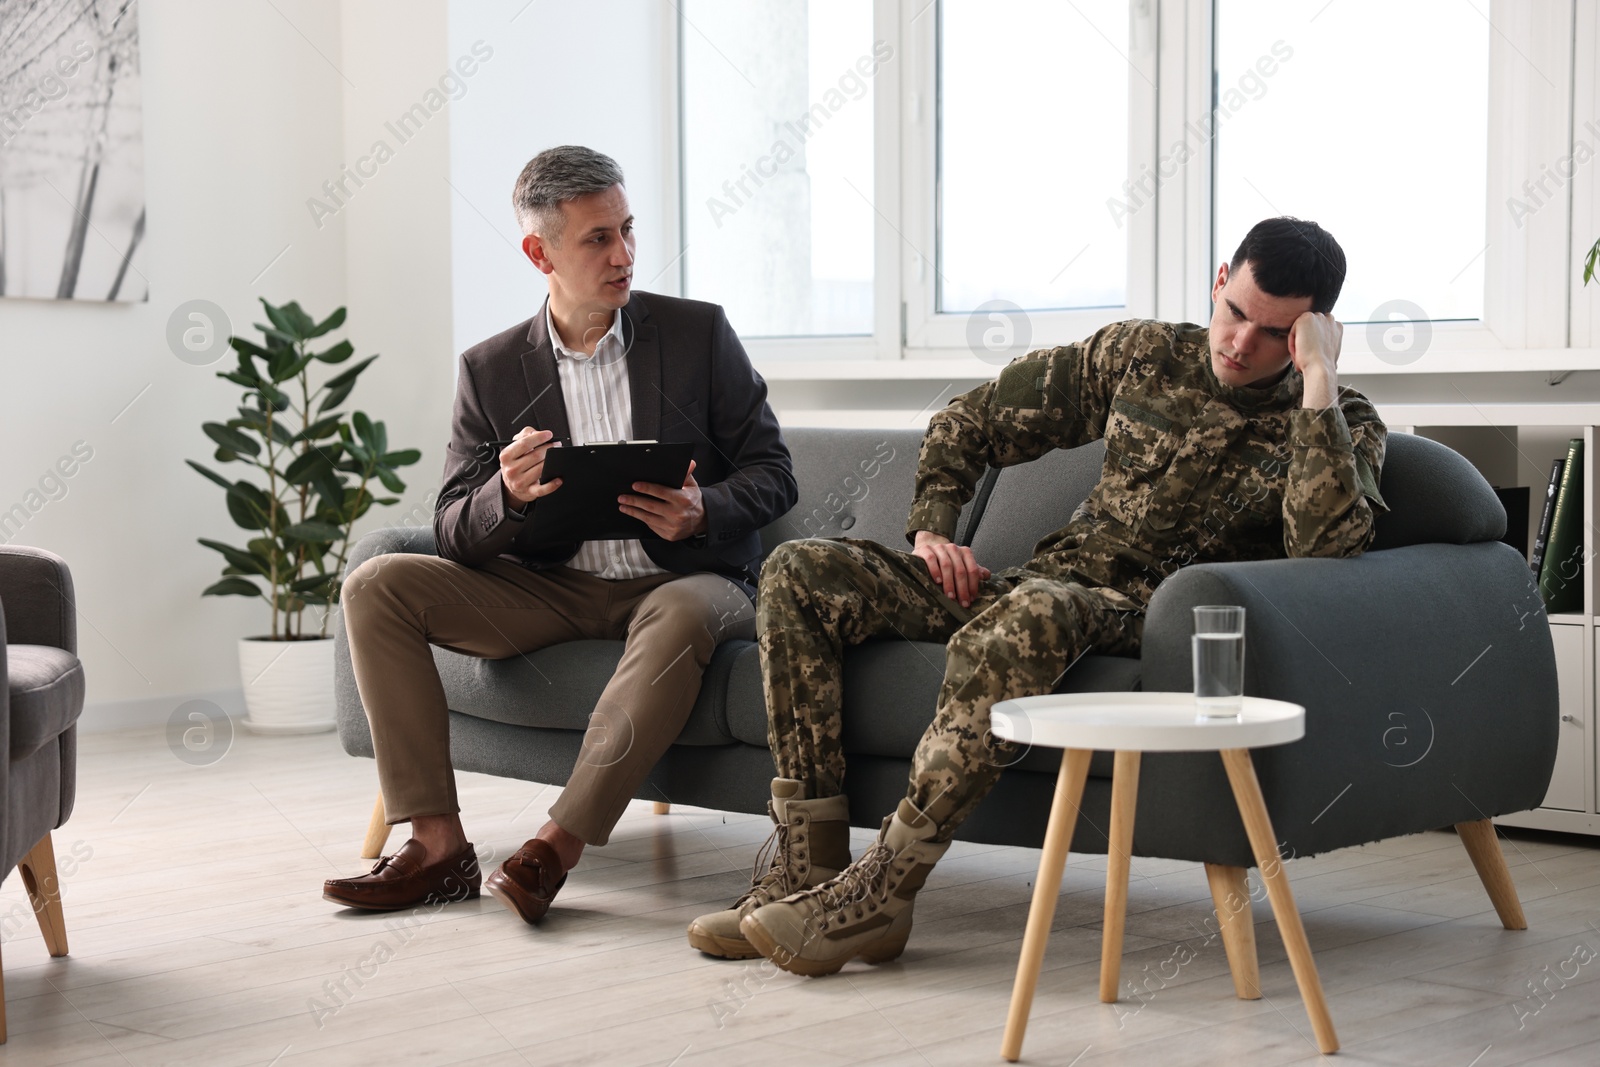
390, 480
403, 458
306, 467
244, 561
219, 479
247, 348
332, 322
280, 318
313, 532
278, 340
315, 582
232, 587
237, 378
281, 359
338, 353
223, 455
349, 374
321, 428
300, 323
1589, 263
335, 397
363, 428
330, 487
231, 439
281, 433
387, 500
293, 369
248, 506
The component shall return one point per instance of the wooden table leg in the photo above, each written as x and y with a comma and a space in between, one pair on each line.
1230, 892
1119, 856
1264, 843
1057, 838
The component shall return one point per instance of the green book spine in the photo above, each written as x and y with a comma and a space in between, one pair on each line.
1561, 577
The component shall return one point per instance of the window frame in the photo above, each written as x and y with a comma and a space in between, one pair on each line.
1544, 70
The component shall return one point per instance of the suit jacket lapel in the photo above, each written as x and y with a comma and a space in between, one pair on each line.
547, 406
644, 370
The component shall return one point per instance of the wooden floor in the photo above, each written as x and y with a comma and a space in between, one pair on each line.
199, 936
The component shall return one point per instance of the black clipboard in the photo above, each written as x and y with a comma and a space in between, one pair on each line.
592, 477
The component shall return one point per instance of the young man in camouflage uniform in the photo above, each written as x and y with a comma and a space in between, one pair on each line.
1233, 443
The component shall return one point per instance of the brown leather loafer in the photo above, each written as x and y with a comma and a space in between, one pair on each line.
528, 881
403, 881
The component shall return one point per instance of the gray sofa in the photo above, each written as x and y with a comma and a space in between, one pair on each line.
1373, 647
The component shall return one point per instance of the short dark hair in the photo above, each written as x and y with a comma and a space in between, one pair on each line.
1293, 257
555, 176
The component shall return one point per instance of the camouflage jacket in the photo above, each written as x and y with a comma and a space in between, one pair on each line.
1195, 471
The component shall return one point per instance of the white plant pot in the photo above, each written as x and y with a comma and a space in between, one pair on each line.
288, 685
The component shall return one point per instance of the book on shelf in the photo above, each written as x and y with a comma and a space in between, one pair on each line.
1561, 573
1540, 539
1515, 499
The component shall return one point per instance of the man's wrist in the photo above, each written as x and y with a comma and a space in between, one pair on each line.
1319, 389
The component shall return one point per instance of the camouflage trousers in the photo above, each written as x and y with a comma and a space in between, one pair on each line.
1018, 637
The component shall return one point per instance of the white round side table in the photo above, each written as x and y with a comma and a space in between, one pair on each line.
1130, 724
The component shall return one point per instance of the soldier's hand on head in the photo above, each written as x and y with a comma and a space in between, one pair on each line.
952, 566
522, 465
1314, 343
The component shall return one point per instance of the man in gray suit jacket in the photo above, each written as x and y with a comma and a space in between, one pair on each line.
598, 363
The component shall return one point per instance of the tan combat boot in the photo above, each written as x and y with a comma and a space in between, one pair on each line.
809, 845
864, 912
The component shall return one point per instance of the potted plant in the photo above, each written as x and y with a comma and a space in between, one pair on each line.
313, 475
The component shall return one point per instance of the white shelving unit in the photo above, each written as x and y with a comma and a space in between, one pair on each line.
1515, 445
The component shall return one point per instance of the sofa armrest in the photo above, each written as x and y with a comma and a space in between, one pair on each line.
351, 717
1427, 673
414, 539
37, 598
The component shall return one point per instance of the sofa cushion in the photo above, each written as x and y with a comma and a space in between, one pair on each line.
1020, 505
46, 692
559, 687
853, 483
1434, 495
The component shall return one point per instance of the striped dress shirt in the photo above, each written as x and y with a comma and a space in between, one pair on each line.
600, 409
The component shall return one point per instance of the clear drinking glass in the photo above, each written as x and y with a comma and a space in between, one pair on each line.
1218, 661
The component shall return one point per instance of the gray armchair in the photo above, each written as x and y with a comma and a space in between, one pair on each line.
39, 709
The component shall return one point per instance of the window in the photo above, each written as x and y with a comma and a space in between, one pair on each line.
1372, 118
777, 162
1032, 144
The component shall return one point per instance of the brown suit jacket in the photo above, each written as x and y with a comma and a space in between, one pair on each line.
690, 380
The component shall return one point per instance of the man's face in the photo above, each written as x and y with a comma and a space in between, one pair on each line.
1250, 328
591, 264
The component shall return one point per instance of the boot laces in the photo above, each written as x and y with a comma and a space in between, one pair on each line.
865, 879
775, 883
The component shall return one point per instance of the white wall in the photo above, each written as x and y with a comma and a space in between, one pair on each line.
585, 74
232, 148
248, 109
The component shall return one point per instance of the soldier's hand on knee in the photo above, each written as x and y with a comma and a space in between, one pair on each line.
953, 566
522, 465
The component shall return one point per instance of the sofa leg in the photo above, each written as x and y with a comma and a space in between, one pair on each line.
377, 833
1484, 848
39, 876
1230, 892
662, 807
2, 1005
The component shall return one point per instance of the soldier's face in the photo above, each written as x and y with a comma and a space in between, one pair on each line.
1250, 328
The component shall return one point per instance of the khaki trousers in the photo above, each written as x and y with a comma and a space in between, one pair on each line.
396, 605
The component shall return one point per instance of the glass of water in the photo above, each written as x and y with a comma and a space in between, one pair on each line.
1219, 661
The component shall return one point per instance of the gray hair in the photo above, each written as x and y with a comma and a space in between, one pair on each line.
555, 176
